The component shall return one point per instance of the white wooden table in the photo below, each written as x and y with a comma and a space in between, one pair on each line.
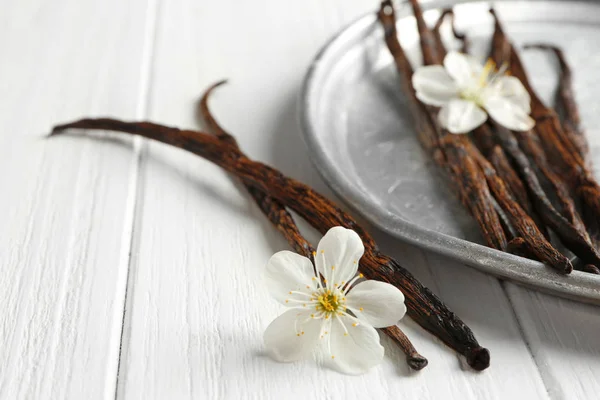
129, 269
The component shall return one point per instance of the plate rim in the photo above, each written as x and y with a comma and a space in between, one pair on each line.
577, 286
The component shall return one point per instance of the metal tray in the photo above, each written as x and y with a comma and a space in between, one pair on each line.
361, 137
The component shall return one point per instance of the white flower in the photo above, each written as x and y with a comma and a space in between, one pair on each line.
463, 88
336, 313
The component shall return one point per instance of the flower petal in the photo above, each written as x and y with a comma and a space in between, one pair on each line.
354, 347
464, 69
508, 114
292, 336
433, 85
378, 304
461, 116
512, 89
288, 271
338, 254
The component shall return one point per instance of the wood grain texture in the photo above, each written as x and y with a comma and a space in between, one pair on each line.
562, 336
63, 247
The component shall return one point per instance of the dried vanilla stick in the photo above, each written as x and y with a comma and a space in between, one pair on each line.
283, 221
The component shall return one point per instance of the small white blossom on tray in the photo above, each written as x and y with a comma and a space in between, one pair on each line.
335, 314
467, 92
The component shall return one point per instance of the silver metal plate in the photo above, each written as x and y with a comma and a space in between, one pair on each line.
361, 137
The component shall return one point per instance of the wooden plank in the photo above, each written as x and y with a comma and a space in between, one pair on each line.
64, 250
196, 305
563, 337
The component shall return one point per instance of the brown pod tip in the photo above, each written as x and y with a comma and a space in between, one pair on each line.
592, 269
479, 358
567, 267
416, 362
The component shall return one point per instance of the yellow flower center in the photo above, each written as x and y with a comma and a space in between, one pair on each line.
476, 91
488, 69
328, 302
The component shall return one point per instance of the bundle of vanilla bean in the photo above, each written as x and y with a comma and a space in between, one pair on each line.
519, 186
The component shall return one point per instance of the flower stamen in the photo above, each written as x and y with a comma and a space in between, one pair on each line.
323, 263
488, 69
298, 292
343, 326
333, 275
477, 93
349, 285
301, 301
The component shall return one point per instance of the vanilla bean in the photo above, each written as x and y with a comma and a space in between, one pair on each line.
283, 221
529, 144
423, 306
414, 360
501, 47
502, 165
572, 127
429, 43
535, 242
573, 130
570, 165
448, 12
515, 186
467, 178
483, 139
591, 269
575, 240
273, 209
518, 246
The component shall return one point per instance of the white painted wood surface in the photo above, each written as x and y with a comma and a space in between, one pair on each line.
132, 270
